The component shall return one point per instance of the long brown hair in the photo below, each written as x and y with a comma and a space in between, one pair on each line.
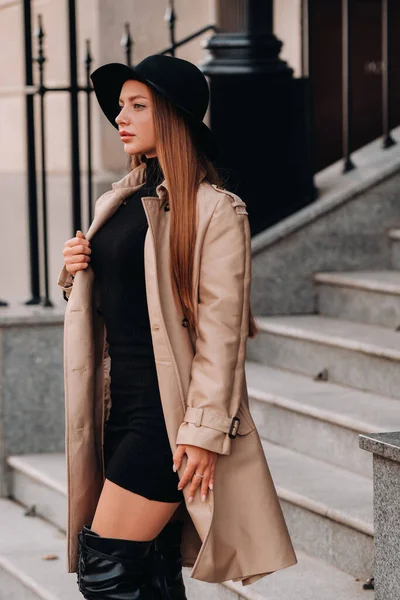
183, 166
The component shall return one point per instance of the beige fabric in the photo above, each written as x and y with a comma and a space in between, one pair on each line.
239, 533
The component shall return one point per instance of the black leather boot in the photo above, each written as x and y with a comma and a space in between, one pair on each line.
118, 569
168, 544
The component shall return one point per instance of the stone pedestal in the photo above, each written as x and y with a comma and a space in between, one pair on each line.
31, 383
386, 458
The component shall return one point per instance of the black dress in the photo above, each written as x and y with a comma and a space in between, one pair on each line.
137, 452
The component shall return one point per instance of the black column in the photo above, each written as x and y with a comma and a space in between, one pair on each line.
259, 113
245, 42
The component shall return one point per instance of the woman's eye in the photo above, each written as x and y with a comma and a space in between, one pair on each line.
135, 105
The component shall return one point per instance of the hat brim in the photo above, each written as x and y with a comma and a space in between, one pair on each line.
107, 83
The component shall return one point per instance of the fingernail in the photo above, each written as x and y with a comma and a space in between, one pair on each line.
179, 487
203, 497
190, 498
211, 486
174, 468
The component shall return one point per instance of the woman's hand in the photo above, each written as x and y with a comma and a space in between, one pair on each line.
199, 461
76, 253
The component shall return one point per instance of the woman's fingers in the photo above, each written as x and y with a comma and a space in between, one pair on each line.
178, 455
77, 259
196, 481
78, 239
76, 253
212, 473
72, 268
205, 482
200, 462
77, 249
188, 473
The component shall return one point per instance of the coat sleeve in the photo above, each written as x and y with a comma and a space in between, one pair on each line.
217, 372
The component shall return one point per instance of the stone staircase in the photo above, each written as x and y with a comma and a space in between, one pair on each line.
315, 382
32, 548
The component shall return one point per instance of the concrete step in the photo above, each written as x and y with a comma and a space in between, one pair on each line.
318, 418
362, 356
328, 510
25, 574
40, 480
371, 297
25, 542
311, 579
394, 238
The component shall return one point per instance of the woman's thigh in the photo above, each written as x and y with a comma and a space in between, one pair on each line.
123, 514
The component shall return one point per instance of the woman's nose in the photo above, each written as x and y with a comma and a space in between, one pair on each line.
120, 118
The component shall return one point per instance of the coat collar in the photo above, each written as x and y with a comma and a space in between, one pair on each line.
130, 183
137, 177
109, 202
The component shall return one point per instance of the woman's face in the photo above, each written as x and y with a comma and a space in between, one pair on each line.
136, 119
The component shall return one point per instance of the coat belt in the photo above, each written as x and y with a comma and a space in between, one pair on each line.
208, 418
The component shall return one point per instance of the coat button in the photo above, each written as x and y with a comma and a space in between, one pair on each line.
166, 207
185, 322
99, 311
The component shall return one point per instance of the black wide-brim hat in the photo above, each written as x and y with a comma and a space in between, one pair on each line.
178, 80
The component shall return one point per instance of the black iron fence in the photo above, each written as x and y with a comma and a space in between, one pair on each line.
234, 54
347, 24
74, 88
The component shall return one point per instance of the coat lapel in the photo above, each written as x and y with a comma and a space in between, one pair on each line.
107, 204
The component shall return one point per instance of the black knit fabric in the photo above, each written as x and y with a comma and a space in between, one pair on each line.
137, 453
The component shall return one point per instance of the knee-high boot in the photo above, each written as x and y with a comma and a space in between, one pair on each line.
168, 544
118, 569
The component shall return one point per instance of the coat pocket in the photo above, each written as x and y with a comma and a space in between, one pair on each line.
246, 420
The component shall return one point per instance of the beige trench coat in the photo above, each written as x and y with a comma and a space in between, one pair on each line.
239, 532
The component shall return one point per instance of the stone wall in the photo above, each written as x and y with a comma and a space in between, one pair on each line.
343, 230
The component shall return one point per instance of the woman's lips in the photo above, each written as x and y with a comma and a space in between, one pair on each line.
125, 135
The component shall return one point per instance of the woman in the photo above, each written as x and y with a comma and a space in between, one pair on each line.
155, 330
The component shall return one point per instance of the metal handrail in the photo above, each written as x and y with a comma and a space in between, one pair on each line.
387, 140
171, 49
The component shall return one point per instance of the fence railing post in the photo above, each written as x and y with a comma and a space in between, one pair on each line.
31, 161
346, 88
41, 59
170, 18
388, 140
127, 44
75, 160
88, 65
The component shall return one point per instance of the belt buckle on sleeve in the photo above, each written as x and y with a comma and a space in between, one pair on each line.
234, 427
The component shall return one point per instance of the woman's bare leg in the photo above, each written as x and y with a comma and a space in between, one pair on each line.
123, 514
